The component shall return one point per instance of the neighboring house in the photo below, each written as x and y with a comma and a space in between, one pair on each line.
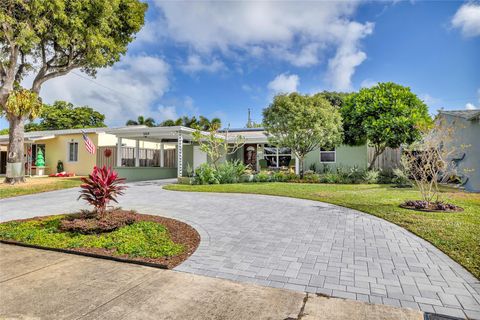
466, 125
68, 147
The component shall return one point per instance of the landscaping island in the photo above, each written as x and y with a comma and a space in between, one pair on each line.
455, 233
143, 238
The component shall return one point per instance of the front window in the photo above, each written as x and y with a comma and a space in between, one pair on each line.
73, 151
327, 155
277, 157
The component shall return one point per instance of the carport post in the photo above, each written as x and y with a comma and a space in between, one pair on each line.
119, 152
180, 154
137, 153
162, 156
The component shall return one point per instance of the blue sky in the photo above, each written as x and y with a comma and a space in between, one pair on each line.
221, 58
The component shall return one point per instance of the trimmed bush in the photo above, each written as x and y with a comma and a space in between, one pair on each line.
371, 176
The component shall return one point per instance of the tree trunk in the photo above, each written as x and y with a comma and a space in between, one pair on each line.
15, 154
375, 156
300, 166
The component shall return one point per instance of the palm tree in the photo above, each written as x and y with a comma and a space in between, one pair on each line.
141, 120
202, 123
167, 123
215, 124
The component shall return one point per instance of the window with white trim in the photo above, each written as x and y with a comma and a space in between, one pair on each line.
328, 155
277, 157
72, 151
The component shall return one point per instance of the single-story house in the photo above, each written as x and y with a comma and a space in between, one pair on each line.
466, 138
68, 146
256, 147
154, 152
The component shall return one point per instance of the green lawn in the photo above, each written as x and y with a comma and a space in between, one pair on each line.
37, 185
141, 239
456, 234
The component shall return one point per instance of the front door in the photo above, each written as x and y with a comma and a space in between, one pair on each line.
250, 155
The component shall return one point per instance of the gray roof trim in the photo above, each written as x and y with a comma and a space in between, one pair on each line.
465, 114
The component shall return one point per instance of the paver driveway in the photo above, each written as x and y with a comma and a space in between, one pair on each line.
296, 244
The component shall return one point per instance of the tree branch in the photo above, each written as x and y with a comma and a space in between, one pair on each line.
43, 76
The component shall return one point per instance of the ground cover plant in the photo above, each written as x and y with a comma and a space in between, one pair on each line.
456, 234
107, 231
37, 185
147, 238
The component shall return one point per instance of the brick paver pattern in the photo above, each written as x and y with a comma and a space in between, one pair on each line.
297, 244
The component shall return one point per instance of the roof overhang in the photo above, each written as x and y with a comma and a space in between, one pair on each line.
32, 139
155, 133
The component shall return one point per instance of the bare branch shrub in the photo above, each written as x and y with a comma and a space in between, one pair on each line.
431, 161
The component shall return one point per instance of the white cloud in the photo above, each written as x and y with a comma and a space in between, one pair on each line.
298, 32
195, 64
368, 83
342, 66
166, 113
467, 18
470, 106
123, 91
429, 100
284, 83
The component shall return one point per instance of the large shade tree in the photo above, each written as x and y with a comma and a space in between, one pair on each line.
50, 38
302, 123
386, 115
64, 115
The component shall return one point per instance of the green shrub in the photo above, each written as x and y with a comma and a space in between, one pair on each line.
371, 176
206, 174
330, 178
226, 172
283, 176
311, 177
230, 171
400, 178
351, 175
385, 177
262, 176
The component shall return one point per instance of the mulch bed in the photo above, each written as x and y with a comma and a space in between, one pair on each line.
180, 233
434, 207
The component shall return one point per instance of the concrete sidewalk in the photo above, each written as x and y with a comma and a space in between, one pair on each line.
38, 284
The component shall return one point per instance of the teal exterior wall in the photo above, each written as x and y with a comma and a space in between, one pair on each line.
238, 155
346, 157
187, 156
146, 173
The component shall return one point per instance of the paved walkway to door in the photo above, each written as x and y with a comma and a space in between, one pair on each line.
295, 244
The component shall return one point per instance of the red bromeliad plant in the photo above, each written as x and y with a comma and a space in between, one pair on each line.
102, 186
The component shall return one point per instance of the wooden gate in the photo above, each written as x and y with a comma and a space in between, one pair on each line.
388, 160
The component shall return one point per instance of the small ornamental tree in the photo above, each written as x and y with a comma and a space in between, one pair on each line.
302, 123
100, 187
21, 104
431, 160
217, 145
386, 115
